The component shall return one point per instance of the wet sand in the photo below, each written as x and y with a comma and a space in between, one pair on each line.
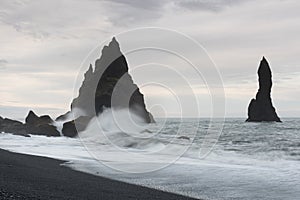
33, 177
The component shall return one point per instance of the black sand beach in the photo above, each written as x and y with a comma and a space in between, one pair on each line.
33, 177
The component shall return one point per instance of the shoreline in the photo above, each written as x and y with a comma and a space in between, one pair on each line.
25, 176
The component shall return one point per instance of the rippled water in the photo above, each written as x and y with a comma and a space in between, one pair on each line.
267, 141
262, 140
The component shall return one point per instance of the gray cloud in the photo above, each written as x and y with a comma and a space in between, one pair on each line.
147, 5
207, 5
43, 19
126, 12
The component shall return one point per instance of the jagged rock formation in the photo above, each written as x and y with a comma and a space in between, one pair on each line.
261, 108
99, 85
108, 85
40, 125
34, 125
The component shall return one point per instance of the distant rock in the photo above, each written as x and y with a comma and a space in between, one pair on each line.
261, 108
32, 118
40, 125
12, 126
34, 125
108, 85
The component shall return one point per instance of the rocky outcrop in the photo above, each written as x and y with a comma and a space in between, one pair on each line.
261, 108
40, 125
109, 85
34, 125
12, 126
109, 78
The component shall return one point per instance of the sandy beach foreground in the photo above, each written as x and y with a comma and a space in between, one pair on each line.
33, 177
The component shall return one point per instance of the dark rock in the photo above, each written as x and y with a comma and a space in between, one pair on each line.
110, 77
32, 118
40, 125
261, 108
34, 125
109, 85
71, 128
12, 126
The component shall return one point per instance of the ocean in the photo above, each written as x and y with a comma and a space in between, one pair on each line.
243, 161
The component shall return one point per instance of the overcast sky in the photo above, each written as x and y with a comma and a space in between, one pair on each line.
43, 44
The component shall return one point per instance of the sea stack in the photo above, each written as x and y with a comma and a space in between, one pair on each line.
261, 108
107, 85
110, 85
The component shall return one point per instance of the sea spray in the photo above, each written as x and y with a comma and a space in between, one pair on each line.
120, 139
71, 115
